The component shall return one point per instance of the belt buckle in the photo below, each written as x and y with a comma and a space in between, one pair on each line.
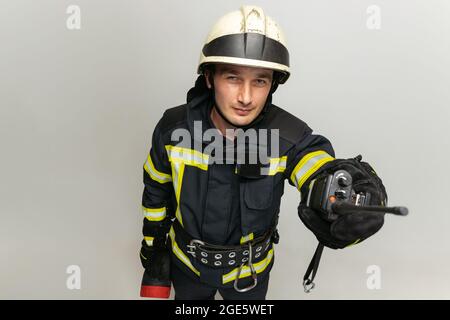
252, 270
193, 244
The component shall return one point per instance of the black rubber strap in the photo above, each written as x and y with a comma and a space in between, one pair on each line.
248, 46
313, 265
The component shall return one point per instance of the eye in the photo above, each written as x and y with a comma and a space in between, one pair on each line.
232, 78
260, 82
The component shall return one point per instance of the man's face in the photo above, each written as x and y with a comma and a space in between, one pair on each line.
241, 92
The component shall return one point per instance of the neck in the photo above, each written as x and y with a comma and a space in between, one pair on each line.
222, 125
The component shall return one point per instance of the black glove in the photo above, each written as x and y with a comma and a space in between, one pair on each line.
353, 227
156, 281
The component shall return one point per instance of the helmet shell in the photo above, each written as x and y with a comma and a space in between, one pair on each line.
247, 37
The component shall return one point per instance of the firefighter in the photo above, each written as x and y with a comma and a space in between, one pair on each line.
211, 225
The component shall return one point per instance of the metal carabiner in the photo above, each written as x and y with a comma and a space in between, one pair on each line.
252, 270
308, 285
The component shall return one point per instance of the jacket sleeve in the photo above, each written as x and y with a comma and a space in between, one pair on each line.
158, 192
306, 159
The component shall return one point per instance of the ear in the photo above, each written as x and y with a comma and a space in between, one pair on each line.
207, 75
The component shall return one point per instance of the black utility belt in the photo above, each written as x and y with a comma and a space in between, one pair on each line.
223, 256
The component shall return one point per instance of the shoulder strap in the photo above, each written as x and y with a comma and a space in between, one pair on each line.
291, 128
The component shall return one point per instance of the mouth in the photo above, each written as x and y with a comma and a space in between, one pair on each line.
242, 112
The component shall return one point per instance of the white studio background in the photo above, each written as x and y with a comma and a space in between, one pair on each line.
78, 107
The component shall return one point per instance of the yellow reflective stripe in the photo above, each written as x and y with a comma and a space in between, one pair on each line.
179, 157
186, 152
149, 240
143, 257
309, 164
154, 214
179, 254
155, 174
351, 244
277, 165
247, 238
245, 272
178, 172
187, 156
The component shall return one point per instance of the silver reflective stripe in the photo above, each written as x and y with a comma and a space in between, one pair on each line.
180, 157
178, 171
259, 267
179, 253
154, 214
246, 238
309, 164
155, 174
149, 240
277, 165
187, 156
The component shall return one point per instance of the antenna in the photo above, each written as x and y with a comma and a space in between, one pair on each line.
345, 208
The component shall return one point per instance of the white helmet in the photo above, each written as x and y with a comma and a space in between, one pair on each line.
249, 38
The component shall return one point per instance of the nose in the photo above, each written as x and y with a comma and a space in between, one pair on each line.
245, 94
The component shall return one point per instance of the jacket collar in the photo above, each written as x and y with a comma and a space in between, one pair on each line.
198, 111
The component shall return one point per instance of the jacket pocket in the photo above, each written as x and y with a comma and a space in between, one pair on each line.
258, 193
